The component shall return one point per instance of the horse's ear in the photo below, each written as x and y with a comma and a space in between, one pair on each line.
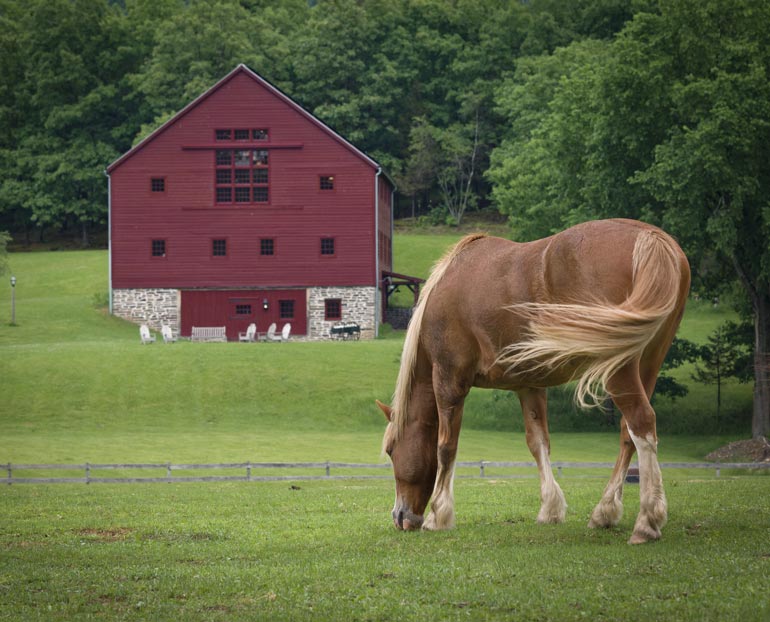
387, 410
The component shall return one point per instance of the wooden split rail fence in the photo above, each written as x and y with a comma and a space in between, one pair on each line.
249, 469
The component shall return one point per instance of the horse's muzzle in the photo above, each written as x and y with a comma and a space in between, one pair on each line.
406, 520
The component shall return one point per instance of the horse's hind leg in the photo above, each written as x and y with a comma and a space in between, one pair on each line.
450, 399
553, 507
609, 510
632, 399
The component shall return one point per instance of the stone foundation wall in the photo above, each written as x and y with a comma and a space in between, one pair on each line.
153, 307
359, 305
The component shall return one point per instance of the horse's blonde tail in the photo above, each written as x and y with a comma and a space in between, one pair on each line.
603, 337
409, 354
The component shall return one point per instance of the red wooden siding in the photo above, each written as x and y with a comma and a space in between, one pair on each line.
297, 215
220, 308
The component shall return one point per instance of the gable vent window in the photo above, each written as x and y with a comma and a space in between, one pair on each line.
219, 248
243, 309
327, 182
158, 184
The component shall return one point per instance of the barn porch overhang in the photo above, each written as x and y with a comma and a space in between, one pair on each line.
390, 284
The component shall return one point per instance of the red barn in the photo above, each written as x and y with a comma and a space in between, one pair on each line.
246, 208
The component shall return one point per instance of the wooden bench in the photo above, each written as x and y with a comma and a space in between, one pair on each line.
208, 333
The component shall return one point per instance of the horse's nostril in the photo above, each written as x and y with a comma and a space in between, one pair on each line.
401, 519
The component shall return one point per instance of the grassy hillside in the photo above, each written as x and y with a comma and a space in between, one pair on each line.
77, 385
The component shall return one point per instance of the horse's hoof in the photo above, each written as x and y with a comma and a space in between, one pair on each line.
643, 537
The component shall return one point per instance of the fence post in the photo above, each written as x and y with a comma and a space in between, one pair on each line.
481, 468
10, 474
558, 471
88, 472
718, 469
328, 469
248, 471
168, 472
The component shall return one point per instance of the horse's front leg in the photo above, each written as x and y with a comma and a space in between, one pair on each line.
450, 400
534, 407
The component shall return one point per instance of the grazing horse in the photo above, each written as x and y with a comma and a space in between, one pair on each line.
598, 303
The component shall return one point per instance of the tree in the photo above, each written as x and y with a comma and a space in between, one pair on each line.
667, 123
681, 351
4, 239
720, 359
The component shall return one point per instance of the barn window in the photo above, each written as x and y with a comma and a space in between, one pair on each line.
332, 309
259, 134
158, 248
267, 246
286, 308
327, 182
241, 134
242, 175
219, 248
242, 195
327, 246
243, 309
223, 134
158, 184
224, 157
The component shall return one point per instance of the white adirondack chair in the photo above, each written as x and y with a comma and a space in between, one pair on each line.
168, 334
144, 335
284, 336
270, 334
250, 334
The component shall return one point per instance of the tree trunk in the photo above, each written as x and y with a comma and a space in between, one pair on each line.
760, 423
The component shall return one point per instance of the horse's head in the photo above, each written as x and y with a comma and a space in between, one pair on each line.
413, 454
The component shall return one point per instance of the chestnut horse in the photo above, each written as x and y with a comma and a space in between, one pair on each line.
598, 303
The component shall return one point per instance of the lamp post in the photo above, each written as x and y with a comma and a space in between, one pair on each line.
13, 300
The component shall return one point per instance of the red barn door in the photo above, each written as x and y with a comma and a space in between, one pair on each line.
236, 309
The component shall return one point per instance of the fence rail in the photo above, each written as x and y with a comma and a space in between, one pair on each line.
249, 467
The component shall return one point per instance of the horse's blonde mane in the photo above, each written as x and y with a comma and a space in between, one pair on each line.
605, 336
403, 389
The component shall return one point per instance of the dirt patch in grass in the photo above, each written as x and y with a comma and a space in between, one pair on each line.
752, 450
115, 534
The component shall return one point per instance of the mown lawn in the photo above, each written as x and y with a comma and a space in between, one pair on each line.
77, 386
327, 551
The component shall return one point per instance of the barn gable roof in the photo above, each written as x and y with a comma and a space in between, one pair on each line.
265, 84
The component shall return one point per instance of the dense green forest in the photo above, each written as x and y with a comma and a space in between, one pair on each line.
549, 111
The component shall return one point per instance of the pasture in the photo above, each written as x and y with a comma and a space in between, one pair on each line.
77, 386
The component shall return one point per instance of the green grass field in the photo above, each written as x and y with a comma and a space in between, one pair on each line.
77, 386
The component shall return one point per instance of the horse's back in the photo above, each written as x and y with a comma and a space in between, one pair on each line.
468, 320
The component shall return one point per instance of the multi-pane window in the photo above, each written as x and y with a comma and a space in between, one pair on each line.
332, 309
267, 246
158, 248
219, 248
286, 308
327, 246
244, 309
158, 184
242, 175
327, 182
